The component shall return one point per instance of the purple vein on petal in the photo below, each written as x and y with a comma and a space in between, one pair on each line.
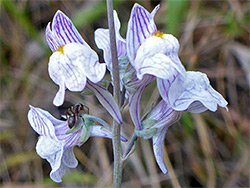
133, 38
66, 25
42, 128
131, 104
140, 25
61, 23
109, 104
57, 29
145, 23
51, 43
52, 40
136, 30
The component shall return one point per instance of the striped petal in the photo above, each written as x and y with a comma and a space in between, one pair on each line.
140, 26
52, 151
106, 99
102, 41
163, 115
53, 41
163, 85
158, 142
194, 87
134, 99
69, 158
70, 67
63, 32
99, 131
42, 122
158, 56
134, 107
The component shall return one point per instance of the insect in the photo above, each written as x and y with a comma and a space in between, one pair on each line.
72, 114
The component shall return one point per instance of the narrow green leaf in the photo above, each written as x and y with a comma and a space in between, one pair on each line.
176, 12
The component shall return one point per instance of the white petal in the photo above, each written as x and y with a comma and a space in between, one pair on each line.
163, 85
53, 41
72, 67
52, 151
59, 98
194, 87
69, 158
140, 26
47, 147
107, 100
63, 28
41, 122
163, 115
56, 175
67, 67
158, 56
134, 107
102, 42
158, 141
100, 131
85, 60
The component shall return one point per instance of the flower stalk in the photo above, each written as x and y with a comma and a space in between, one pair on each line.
117, 173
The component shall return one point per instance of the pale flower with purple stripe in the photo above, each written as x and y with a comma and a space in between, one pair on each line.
55, 144
73, 62
150, 51
160, 118
103, 42
192, 93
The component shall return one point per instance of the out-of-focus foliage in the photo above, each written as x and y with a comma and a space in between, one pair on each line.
205, 150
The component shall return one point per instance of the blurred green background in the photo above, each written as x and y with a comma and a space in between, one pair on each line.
202, 150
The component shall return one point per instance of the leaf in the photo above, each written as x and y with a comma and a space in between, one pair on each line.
176, 12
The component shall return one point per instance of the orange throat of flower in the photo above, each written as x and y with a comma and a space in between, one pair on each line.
60, 49
158, 34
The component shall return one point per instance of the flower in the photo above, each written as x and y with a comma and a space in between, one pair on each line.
102, 41
127, 74
155, 126
57, 140
74, 65
73, 62
151, 51
192, 93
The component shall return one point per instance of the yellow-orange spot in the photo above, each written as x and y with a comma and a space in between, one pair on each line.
158, 34
60, 49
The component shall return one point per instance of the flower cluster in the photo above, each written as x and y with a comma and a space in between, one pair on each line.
73, 66
154, 55
144, 56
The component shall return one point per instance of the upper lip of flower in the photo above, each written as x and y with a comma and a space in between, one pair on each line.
62, 32
46, 125
149, 51
140, 26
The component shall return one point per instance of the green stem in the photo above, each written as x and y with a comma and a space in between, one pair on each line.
117, 173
